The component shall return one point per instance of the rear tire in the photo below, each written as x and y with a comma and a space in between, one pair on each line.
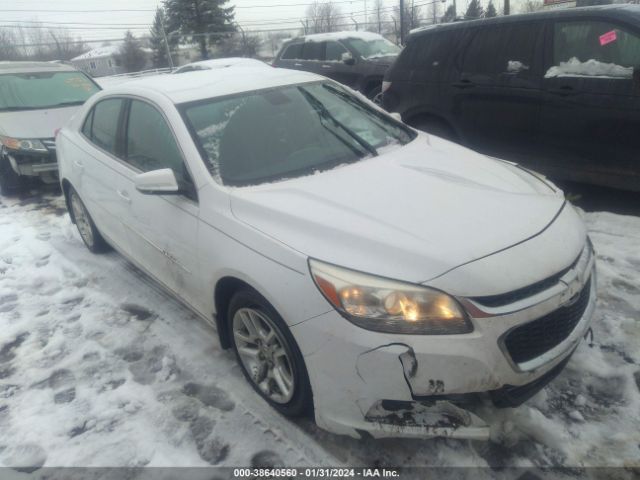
87, 229
10, 182
268, 354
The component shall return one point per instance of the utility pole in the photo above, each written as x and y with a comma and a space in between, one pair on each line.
402, 25
166, 44
455, 11
507, 7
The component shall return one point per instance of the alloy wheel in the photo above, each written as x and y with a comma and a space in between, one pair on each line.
81, 217
264, 354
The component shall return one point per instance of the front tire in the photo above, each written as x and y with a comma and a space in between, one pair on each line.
268, 354
87, 229
10, 181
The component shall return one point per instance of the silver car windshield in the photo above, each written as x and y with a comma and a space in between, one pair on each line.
288, 132
40, 90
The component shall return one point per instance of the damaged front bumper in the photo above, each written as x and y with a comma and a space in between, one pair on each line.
422, 386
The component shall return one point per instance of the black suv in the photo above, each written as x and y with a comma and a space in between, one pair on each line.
356, 59
558, 90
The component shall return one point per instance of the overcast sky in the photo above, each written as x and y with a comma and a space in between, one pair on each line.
109, 19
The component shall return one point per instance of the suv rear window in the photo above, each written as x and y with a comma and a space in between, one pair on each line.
597, 42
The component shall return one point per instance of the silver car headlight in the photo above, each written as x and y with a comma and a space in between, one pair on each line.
23, 144
389, 306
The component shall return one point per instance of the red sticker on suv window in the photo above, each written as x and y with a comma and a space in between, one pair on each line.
608, 37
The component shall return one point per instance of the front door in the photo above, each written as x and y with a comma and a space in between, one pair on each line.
162, 229
334, 65
590, 122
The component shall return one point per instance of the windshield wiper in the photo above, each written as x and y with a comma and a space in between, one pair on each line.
66, 104
322, 111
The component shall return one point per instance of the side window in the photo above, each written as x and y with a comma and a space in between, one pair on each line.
150, 143
293, 52
313, 50
88, 124
594, 48
505, 49
334, 52
104, 125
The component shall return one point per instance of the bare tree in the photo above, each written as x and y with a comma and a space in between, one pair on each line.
412, 17
378, 17
529, 6
322, 17
8, 51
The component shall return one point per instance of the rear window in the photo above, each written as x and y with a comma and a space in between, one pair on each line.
40, 90
594, 48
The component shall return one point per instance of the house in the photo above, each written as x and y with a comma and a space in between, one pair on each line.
99, 62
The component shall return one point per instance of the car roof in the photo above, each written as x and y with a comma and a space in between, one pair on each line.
614, 12
32, 67
202, 84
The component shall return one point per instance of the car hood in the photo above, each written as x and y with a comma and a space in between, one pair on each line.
410, 214
35, 123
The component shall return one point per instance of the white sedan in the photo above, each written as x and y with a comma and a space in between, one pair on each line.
376, 277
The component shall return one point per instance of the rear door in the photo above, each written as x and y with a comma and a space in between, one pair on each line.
96, 169
162, 229
590, 122
496, 89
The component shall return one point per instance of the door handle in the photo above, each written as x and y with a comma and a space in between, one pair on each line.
564, 90
297, 64
124, 196
326, 66
78, 163
464, 83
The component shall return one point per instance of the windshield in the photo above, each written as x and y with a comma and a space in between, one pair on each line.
373, 48
288, 132
38, 90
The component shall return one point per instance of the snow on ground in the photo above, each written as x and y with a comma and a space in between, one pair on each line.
98, 367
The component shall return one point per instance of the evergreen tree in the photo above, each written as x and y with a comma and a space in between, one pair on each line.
449, 15
491, 10
159, 57
205, 21
130, 55
474, 10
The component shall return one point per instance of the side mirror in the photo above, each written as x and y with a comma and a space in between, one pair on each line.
157, 182
348, 59
396, 116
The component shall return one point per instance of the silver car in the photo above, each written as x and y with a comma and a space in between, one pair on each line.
36, 100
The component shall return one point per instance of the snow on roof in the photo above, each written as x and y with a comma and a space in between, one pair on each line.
324, 37
209, 84
99, 52
222, 63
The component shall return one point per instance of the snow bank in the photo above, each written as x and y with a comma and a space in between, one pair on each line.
590, 68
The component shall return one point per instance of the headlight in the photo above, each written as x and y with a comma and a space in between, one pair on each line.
389, 306
24, 145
